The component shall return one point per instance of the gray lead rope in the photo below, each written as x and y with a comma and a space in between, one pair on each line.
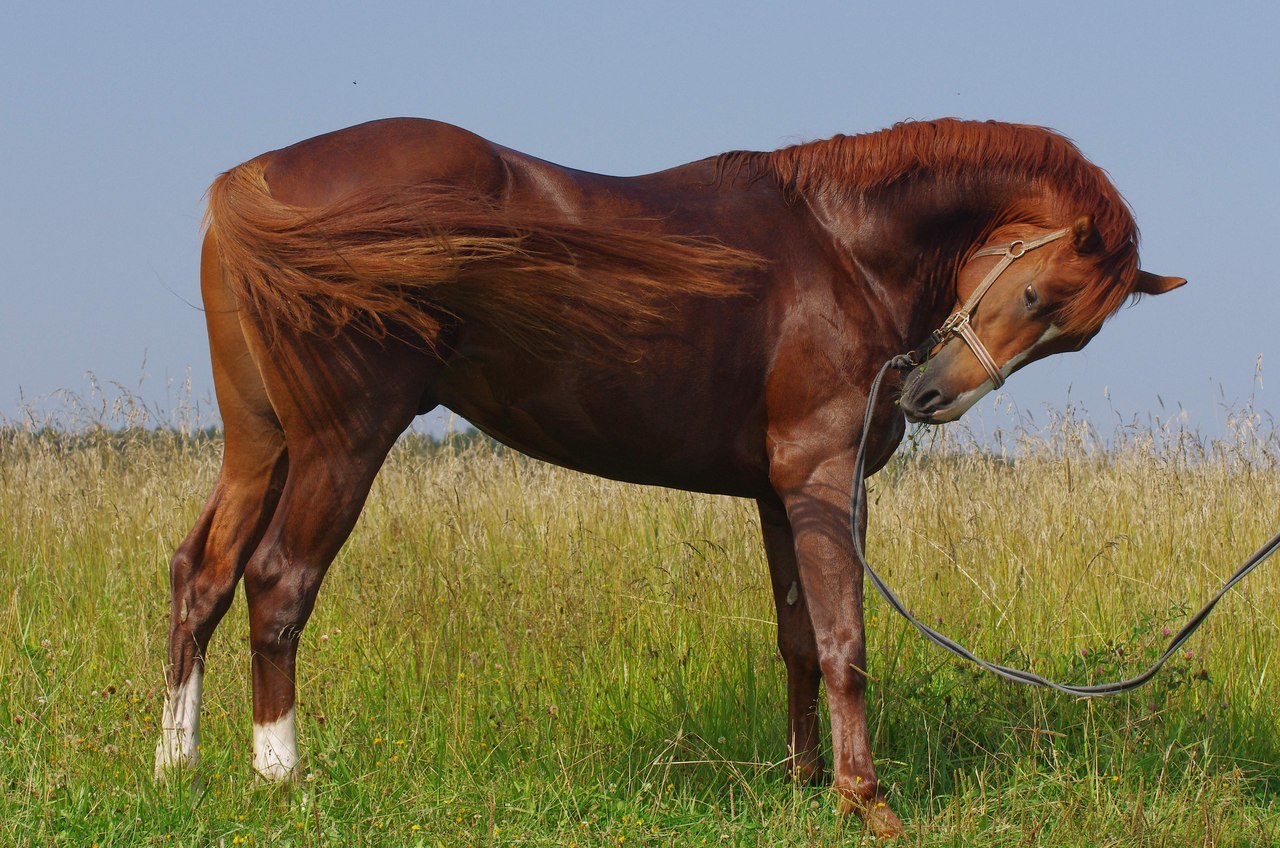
858, 502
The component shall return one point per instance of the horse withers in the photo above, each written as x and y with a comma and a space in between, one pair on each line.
712, 327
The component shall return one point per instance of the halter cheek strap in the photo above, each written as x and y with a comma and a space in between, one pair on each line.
958, 324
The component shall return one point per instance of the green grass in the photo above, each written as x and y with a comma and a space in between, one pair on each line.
510, 654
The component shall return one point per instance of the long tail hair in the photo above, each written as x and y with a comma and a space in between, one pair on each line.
402, 261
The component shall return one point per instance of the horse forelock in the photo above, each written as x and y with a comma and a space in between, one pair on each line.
952, 149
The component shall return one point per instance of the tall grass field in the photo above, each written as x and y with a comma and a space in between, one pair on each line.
506, 653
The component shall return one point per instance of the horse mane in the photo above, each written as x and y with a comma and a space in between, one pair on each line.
405, 260
969, 151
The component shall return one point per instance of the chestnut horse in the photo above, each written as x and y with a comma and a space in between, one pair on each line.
712, 327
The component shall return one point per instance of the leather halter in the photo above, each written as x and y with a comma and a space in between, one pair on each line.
958, 324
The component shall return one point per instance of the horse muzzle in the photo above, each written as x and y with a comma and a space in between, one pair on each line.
926, 401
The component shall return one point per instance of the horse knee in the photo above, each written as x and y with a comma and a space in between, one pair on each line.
798, 652
843, 669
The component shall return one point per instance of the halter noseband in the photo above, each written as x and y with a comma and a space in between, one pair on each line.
958, 323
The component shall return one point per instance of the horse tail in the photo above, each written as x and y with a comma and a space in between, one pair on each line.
404, 260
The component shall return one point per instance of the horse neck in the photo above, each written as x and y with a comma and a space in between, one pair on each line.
910, 242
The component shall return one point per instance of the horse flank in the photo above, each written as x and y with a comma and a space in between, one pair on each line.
403, 261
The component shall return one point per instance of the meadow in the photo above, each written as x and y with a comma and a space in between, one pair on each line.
506, 653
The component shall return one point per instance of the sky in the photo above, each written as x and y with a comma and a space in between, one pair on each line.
115, 117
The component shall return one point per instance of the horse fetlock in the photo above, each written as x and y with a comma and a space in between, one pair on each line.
275, 748
179, 745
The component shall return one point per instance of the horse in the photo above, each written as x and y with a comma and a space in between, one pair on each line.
711, 327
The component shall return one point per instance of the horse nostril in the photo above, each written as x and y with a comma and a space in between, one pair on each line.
929, 400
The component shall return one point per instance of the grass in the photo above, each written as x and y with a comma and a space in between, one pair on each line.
506, 653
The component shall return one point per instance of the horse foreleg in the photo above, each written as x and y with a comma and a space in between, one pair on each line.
795, 643
832, 586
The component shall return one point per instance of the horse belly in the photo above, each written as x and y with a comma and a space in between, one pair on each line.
669, 432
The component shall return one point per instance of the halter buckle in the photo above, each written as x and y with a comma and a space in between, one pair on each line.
951, 327
1016, 249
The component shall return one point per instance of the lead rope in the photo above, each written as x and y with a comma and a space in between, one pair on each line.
857, 502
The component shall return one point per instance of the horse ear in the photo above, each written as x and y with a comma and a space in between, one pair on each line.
1149, 283
1086, 235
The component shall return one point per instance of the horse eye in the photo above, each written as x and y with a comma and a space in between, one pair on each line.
1030, 297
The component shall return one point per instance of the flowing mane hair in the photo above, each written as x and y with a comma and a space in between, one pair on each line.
405, 260
970, 152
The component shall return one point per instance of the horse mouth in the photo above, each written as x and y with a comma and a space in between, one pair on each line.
920, 405
930, 405
917, 417
933, 416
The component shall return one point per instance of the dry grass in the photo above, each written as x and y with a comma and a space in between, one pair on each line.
511, 654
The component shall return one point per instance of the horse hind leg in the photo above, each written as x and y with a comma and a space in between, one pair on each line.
340, 423
203, 575
322, 499
209, 562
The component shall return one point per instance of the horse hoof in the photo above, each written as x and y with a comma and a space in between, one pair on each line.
876, 816
882, 822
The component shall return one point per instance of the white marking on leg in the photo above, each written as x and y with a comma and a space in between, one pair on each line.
180, 725
275, 748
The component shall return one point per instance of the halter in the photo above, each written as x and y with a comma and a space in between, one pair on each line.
958, 324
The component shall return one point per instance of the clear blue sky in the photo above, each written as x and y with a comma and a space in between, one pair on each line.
114, 117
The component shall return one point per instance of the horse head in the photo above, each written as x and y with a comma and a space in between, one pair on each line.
1026, 295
